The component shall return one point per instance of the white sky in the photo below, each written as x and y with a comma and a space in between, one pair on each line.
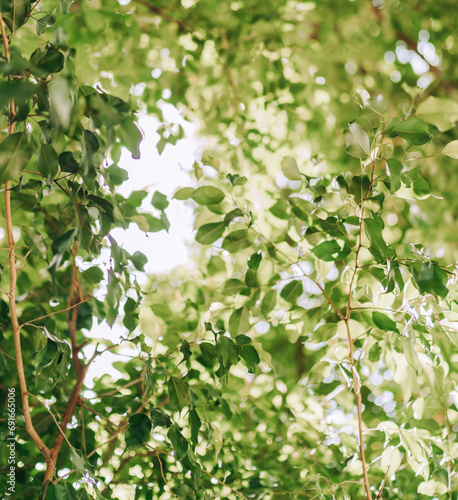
165, 173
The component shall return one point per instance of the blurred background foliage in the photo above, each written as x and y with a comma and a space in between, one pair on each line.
248, 362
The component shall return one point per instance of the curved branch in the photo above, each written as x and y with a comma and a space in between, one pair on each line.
29, 427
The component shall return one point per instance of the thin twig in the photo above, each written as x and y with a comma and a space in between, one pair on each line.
53, 417
224, 484
114, 391
31, 322
162, 474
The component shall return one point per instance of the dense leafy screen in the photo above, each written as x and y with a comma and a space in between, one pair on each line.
311, 350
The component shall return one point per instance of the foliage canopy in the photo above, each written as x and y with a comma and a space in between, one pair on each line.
311, 350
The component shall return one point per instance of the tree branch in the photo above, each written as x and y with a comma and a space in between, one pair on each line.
29, 427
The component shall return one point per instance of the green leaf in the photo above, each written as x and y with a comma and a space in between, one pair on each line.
412, 130
139, 260
116, 174
395, 168
292, 291
301, 208
46, 62
131, 137
268, 302
432, 279
68, 163
195, 424
47, 162
56, 492
254, 261
59, 247
207, 195
250, 356
39, 341
290, 169
378, 247
234, 286
60, 102
178, 393
131, 314
384, 322
421, 188
209, 233
327, 250
17, 90
35, 242
159, 201
179, 443
243, 339
79, 461
236, 241
228, 351
139, 430
160, 418
451, 149
357, 141
45, 22
432, 488
239, 321
184, 193
15, 153
233, 214
438, 111
209, 353
15, 13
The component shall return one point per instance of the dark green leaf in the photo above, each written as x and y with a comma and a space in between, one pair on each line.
412, 130
209, 353
227, 350
46, 62
15, 13
179, 443
251, 357
67, 162
195, 423
139, 429
160, 418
